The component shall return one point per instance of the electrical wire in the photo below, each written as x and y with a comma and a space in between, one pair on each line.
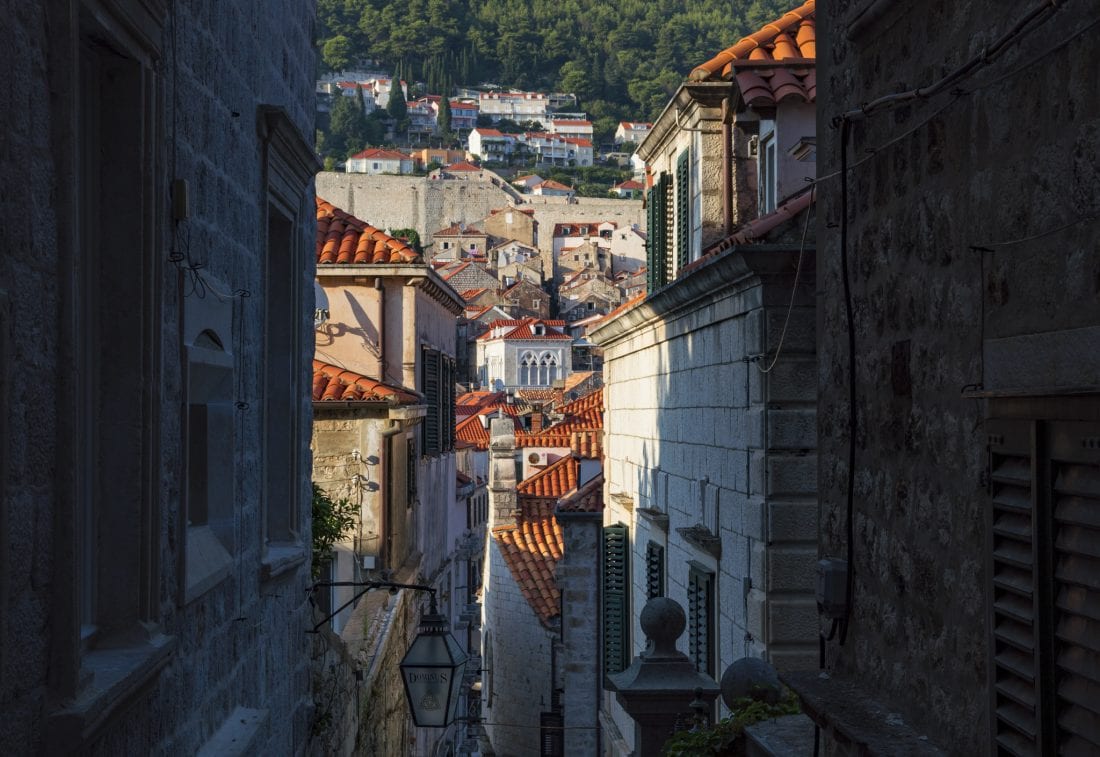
845, 130
794, 287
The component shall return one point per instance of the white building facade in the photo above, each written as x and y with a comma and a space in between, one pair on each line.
521, 354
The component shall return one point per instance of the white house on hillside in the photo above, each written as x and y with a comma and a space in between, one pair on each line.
376, 161
632, 131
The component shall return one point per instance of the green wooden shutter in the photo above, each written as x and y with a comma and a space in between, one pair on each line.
654, 570
683, 213
651, 257
431, 388
616, 586
700, 638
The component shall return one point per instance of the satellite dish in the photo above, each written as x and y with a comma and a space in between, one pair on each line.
320, 311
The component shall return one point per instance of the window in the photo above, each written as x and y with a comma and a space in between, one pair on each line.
654, 570
683, 209
437, 383
1044, 525
528, 370
615, 606
700, 619
548, 369
767, 174
657, 241
209, 451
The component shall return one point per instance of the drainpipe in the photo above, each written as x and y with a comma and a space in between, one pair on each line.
409, 341
727, 167
381, 289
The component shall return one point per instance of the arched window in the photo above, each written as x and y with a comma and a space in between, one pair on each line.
528, 369
548, 368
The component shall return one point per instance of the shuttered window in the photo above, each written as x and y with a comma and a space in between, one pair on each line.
616, 599
700, 615
683, 210
654, 570
429, 372
1044, 566
658, 226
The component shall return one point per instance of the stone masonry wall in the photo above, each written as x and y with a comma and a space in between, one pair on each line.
1013, 157
578, 576
696, 430
243, 643
516, 651
428, 205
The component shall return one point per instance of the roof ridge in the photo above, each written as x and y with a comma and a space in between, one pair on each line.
746, 45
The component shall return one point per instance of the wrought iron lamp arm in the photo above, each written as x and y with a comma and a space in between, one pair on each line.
366, 586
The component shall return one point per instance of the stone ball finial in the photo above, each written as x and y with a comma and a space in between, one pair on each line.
752, 678
663, 622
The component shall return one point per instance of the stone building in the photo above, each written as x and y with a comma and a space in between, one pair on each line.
383, 437
969, 517
523, 352
154, 513
525, 300
512, 223
533, 672
710, 383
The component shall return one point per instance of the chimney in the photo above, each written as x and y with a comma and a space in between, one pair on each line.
536, 420
503, 504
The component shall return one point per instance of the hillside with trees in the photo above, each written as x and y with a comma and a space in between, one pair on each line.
622, 58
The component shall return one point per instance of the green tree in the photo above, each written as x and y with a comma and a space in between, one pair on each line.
347, 126
397, 107
445, 115
336, 53
333, 519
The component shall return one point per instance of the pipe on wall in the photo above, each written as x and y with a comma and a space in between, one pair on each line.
727, 168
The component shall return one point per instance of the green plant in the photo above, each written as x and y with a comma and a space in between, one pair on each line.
333, 519
722, 738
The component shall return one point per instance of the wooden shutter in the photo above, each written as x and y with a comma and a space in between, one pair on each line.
651, 256
683, 210
654, 570
1044, 550
616, 585
700, 638
1074, 474
431, 379
1012, 542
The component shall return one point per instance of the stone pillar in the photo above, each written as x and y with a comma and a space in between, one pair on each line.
579, 579
502, 472
659, 686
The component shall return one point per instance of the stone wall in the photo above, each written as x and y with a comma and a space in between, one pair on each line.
516, 653
240, 648
696, 430
428, 205
578, 577
941, 303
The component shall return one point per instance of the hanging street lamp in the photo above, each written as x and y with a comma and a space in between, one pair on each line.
433, 666
432, 672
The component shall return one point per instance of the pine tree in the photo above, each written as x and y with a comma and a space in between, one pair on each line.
397, 107
444, 115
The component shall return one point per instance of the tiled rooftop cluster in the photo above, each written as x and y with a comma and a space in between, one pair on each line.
772, 64
531, 550
343, 239
332, 383
524, 328
555, 480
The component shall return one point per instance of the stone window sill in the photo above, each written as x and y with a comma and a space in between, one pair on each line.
114, 676
280, 559
853, 717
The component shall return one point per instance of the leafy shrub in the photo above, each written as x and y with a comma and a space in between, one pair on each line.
332, 521
725, 738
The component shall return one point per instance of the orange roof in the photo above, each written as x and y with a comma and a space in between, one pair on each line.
587, 443
455, 230
472, 432
379, 154
635, 300
344, 239
334, 384
757, 228
531, 550
522, 329
555, 480
471, 294
791, 37
630, 184
591, 401
463, 166
551, 184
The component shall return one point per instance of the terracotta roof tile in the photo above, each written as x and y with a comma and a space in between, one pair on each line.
757, 228
587, 499
523, 329
555, 480
771, 43
472, 432
531, 550
343, 239
586, 443
379, 154
334, 384
591, 401
463, 166
456, 230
